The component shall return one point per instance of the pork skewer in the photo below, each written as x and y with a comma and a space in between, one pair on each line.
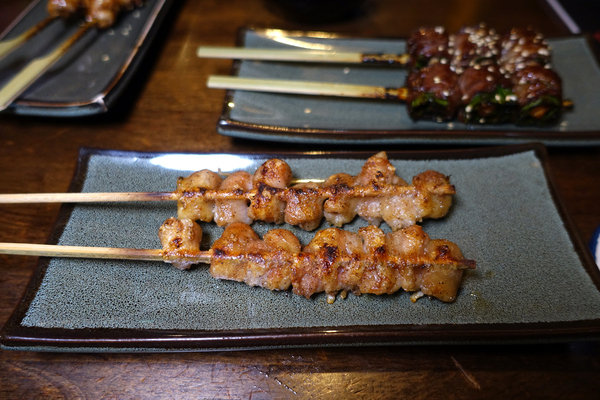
376, 194
335, 261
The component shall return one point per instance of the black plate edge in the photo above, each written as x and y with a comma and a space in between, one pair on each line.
15, 336
228, 126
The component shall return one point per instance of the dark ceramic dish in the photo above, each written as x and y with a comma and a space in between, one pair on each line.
312, 119
89, 78
535, 280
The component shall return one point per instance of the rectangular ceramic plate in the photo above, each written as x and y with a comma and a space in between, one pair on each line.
312, 119
92, 74
534, 280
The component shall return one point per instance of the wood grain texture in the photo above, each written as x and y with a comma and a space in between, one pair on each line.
168, 108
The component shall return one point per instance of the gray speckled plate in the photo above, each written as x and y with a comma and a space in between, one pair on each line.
534, 280
310, 119
91, 75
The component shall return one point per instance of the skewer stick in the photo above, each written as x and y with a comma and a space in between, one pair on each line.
107, 197
295, 55
307, 87
8, 45
28, 75
49, 250
207, 194
317, 88
111, 197
133, 254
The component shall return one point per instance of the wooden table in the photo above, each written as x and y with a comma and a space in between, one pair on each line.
163, 112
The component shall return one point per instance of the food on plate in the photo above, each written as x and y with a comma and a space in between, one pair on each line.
335, 261
376, 194
480, 76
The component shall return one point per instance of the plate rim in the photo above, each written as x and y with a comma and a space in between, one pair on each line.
16, 336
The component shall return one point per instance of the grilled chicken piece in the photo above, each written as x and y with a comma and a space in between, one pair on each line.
266, 206
304, 206
189, 204
240, 255
180, 238
228, 211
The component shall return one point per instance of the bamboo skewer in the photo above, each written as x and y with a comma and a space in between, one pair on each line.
118, 197
295, 55
307, 87
207, 194
134, 254
315, 88
28, 75
107, 253
48, 250
8, 45
107, 197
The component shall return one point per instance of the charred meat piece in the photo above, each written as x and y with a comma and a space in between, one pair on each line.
100, 13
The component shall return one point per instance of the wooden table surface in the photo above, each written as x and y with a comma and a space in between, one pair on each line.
168, 108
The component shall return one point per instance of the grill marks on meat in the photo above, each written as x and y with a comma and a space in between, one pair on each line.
334, 261
192, 204
376, 194
180, 239
337, 261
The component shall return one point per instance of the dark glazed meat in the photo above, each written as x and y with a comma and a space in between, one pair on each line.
433, 93
484, 68
427, 44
